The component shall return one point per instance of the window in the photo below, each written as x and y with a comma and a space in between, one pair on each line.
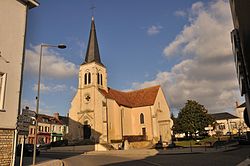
101, 79
85, 79
142, 118
3, 77
144, 131
31, 130
89, 78
222, 126
98, 78
233, 125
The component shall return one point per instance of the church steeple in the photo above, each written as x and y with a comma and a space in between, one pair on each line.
92, 54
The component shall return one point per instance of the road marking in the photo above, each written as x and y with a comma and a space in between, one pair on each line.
150, 162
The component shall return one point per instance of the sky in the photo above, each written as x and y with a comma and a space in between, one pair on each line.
182, 45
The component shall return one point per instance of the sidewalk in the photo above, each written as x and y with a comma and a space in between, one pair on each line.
51, 163
173, 151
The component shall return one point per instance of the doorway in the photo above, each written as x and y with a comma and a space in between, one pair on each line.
86, 131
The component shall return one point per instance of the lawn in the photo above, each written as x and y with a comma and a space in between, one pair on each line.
202, 142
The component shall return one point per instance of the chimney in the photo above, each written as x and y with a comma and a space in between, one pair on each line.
56, 115
237, 104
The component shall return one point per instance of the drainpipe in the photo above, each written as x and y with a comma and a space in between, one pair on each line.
107, 120
122, 123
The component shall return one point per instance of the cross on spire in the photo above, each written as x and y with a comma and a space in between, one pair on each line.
92, 10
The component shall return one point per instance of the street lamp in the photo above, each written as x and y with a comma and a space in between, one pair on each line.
61, 46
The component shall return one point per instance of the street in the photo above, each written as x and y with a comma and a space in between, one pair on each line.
228, 158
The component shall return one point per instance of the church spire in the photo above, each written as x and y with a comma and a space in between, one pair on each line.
92, 54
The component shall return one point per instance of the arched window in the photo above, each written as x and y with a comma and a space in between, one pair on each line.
89, 78
85, 79
141, 118
98, 79
101, 79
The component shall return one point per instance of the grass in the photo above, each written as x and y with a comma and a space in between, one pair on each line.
202, 142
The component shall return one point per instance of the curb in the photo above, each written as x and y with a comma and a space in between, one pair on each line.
245, 162
51, 163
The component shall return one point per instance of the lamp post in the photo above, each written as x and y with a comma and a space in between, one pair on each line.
61, 46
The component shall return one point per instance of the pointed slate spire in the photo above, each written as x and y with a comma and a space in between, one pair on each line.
92, 54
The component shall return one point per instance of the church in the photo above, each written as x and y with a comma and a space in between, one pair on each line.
105, 115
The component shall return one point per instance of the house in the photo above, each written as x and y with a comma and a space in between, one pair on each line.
50, 129
240, 113
105, 115
13, 16
226, 123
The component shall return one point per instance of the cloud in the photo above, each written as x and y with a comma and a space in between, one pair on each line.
154, 30
73, 89
207, 71
43, 109
180, 13
52, 64
53, 88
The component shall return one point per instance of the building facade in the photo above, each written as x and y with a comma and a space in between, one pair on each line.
103, 114
240, 113
13, 16
226, 123
50, 129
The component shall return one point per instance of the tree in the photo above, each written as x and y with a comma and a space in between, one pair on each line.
193, 118
176, 125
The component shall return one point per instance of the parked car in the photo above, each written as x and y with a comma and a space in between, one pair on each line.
27, 150
43, 146
59, 143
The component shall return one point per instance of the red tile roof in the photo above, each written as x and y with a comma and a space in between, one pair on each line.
48, 119
137, 98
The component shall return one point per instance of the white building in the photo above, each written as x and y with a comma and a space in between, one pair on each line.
240, 113
13, 16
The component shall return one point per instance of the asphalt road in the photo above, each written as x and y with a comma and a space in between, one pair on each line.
229, 158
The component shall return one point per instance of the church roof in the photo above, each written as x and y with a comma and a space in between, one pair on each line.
92, 54
137, 98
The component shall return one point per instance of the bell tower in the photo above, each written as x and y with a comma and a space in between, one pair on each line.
87, 111
92, 72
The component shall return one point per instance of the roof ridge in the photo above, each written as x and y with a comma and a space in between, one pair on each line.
132, 91
151, 87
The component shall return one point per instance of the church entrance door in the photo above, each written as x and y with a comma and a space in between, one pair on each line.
86, 131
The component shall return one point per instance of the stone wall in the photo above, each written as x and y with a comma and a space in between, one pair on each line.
6, 143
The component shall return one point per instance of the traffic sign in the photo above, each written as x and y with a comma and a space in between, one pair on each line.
29, 113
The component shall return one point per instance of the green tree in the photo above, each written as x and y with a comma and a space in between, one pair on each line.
193, 118
176, 125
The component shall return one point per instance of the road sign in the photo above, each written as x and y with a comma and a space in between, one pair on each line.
28, 113
24, 121
22, 118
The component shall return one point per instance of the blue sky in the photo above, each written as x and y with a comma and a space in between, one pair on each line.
182, 45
